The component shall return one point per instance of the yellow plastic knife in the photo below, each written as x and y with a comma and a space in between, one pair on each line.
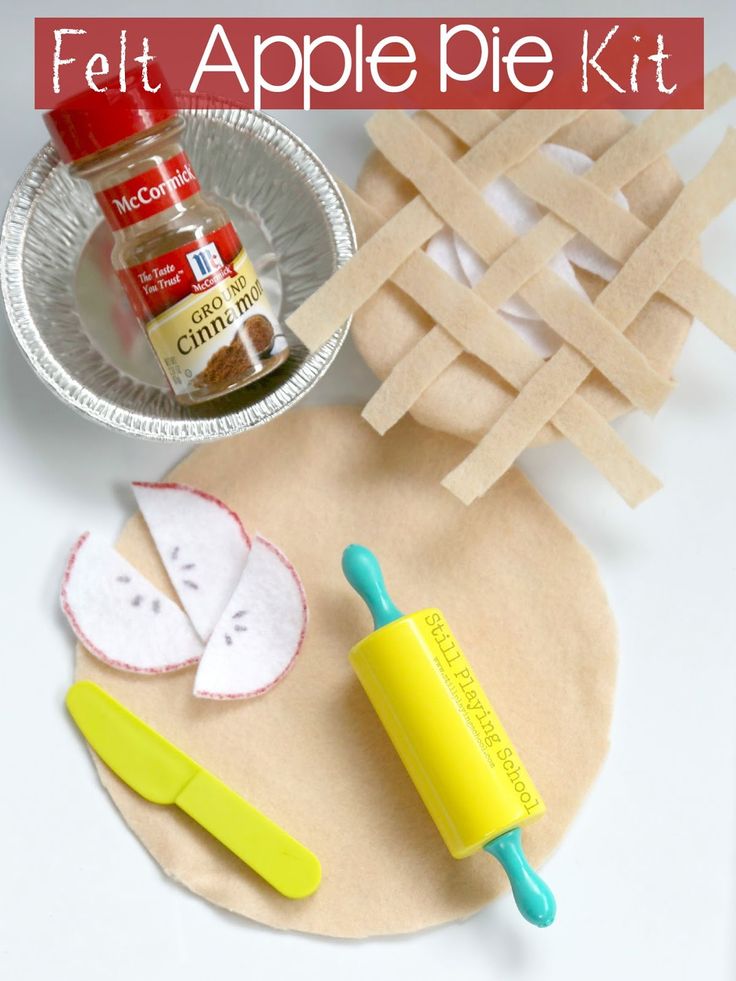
162, 774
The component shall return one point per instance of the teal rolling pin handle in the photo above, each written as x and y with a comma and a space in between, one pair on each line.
533, 897
363, 572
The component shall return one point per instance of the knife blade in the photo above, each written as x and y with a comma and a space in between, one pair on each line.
158, 771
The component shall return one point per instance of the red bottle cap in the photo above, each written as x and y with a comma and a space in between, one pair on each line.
92, 121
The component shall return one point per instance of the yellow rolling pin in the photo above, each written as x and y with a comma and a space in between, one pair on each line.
449, 738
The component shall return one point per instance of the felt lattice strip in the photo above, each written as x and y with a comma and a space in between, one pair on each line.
507, 144
705, 298
637, 147
376, 261
663, 249
469, 324
694, 208
641, 145
459, 202
355, 282
632, 153
606, 224
596, 216
689, 286
615, 230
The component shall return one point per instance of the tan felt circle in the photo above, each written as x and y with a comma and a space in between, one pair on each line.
468, 396
522, 595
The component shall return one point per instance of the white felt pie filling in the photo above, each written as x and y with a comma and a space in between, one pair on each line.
520, 213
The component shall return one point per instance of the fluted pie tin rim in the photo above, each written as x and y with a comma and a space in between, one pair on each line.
53, 339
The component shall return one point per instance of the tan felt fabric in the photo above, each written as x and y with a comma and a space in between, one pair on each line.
377, 259
541, 399
583, 201
644, 144
512, 139
618, 233
708, 299
522, 595
651, 263
356, 281
471, 325
467, 397
429, 154
694, 208
461, 204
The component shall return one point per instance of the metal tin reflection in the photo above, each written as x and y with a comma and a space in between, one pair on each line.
72, 322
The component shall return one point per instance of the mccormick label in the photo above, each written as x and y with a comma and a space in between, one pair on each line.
144, 195
205, 312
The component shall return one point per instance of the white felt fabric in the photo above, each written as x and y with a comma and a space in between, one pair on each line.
261, 631
442, 249
202, 544
120, 617
520, 213
580, 251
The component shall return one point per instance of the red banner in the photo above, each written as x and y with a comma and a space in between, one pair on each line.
338, 63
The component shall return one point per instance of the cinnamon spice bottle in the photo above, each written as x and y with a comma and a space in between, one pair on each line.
188, 278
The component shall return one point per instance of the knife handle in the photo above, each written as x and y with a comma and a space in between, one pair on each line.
265, 847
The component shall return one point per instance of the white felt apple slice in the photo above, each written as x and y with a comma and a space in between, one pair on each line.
120, 617
261, 631
202, 544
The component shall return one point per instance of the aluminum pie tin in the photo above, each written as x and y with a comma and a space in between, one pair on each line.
73, 322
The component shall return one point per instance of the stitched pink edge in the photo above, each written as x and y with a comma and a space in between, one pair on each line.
231, 696
84, 639
173, 485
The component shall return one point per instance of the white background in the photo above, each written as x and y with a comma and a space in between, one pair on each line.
646, 876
